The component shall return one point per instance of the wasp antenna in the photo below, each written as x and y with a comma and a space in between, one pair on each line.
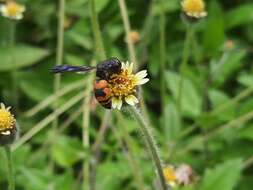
68, 68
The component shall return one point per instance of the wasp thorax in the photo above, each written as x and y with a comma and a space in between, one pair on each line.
108, 67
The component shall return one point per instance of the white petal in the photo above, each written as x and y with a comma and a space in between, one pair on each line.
130, 68
2, 106
6, 133
18, 16
127, 65
22, 9
131, 100
142, 81
4, 10
141, 74
123, 65
114, 103
119, 104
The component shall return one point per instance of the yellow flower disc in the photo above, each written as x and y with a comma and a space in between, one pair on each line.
6, 119
169, 175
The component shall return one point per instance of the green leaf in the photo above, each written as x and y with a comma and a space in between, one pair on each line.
246, 79
219, 99
37, 84
247, 133
240, 15
66, 151
223, 177
173, 125
191, 101
20, 56
230, 63
214, 35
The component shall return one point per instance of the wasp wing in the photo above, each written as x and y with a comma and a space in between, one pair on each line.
68, 68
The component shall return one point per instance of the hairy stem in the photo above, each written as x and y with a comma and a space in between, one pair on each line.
150, 144
11, 178
127, 27
125, 138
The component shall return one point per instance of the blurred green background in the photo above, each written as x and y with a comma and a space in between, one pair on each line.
213, 132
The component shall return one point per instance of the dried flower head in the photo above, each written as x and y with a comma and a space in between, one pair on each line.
12, 10
184, 174
170, 175
229, 45
124, 85
194, 8
8, 130
133, 36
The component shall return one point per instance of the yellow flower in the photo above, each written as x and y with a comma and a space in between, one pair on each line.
170, 175
124, 85
7, 125
12, 10
194, 8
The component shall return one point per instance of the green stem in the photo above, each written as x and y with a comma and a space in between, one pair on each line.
162, 60
59, 53
186, 55
100, 51
86, 127
10, 169
150, 144
127, 27
125, 138
100, 55
14, 70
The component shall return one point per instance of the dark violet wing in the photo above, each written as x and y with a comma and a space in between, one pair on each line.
68, 68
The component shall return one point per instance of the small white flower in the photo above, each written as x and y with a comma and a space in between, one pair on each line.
123, 85
12, 10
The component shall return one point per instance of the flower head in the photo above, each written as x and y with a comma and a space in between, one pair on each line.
184, 174
124, 85
133, 36
7, 126
194, 8
170, 175
12, 10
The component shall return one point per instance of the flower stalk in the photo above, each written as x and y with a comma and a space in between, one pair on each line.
14, 70
127, 28
185, 59
59, 53
150, 144
11, 179
162, 60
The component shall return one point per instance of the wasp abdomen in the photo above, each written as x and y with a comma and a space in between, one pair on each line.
102, 93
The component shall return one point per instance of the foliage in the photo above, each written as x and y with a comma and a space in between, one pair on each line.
212, 132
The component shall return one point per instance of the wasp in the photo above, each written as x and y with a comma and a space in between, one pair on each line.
104, 71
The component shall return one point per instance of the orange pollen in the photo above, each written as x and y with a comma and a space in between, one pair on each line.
122, 85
